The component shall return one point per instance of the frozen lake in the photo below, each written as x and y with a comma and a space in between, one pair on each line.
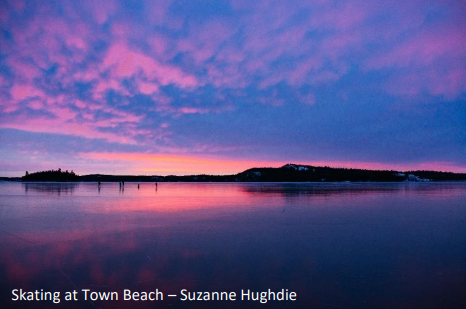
379, 245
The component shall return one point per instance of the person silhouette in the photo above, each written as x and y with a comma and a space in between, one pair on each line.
138, 186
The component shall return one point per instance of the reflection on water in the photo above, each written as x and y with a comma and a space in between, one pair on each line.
56, 188
323, 189
337, 245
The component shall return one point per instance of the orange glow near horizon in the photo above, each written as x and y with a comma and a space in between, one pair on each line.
169, 164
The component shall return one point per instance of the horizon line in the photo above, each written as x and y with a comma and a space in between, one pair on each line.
256, 167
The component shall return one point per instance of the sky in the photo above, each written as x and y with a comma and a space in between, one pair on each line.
216, 87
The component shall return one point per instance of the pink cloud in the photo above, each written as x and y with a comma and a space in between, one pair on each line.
75, 42
429, 61
432, 62
193, 110
24, 68
103, 85
269, 38
21, 92
147, 88
80, 104
204, 41
157, 14
124, 62
447, 83
36, 105
308, 99
343, 16
65, 121
101, 11
423, 49
60, 126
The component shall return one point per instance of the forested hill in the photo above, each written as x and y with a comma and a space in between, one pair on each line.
295, 172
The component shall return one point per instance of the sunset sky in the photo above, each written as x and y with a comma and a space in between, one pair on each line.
184, 87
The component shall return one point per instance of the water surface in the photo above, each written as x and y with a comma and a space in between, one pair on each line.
373, 245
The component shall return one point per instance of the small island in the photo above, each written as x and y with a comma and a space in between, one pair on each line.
51, 175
